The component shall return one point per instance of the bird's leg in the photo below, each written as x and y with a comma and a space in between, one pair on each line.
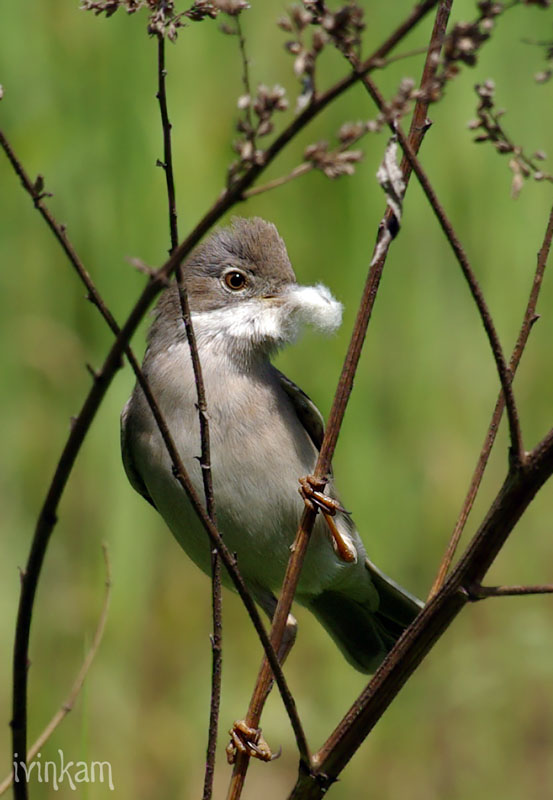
310, 490
243, 738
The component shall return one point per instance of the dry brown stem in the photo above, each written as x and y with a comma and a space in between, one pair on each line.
205, 457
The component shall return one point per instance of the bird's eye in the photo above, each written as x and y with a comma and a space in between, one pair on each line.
235, 280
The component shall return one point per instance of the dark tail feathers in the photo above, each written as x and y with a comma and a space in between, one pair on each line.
366, 636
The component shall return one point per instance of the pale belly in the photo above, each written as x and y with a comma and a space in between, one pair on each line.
257, 458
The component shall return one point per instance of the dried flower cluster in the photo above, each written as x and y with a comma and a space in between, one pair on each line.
231, 7
304, 49
201, 9
254, 125
163, 19
341, 160
109, 7
333, 163
342, 27
491, 130
462, 44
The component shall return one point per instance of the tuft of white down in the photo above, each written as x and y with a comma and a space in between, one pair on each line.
268, 323
313, 305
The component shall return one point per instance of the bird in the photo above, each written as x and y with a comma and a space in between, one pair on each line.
265, 435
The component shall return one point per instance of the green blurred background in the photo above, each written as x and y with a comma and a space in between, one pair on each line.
476, 720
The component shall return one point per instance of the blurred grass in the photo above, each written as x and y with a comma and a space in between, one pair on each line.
79, 106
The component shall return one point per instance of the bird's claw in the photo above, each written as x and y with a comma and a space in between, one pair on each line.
315, 499
310, 490
248, 741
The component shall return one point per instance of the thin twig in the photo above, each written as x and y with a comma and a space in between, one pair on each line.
517, 447
245, 79
341, 397
48, 514
418, 51
69, 702
205, 457
297, 172
483, 592
167, 163
527, 324
216, 588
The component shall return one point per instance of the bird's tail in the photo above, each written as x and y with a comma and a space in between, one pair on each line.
363, 635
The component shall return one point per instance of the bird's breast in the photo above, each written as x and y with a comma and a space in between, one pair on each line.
258, 451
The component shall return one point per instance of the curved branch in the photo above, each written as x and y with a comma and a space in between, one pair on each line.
205, 457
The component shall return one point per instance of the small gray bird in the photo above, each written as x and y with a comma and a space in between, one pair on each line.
265, 435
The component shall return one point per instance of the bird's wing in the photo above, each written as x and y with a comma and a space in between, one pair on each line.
135, 479
306, 410
398, 607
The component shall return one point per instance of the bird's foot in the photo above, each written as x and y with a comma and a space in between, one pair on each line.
248, 741
314, 498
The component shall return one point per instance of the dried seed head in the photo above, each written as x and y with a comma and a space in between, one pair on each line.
293, 47
284, 24
201, 9
350, 132
543, 76
333, 163
300, 17
490, 9
231, 7
320, 39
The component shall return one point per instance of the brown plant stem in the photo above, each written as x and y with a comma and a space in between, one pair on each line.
167, 163
245, 79
517, 453
527, 324
69, 702
205, 457
482, 592
301, 169
517, 492
385, 236
48, 514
